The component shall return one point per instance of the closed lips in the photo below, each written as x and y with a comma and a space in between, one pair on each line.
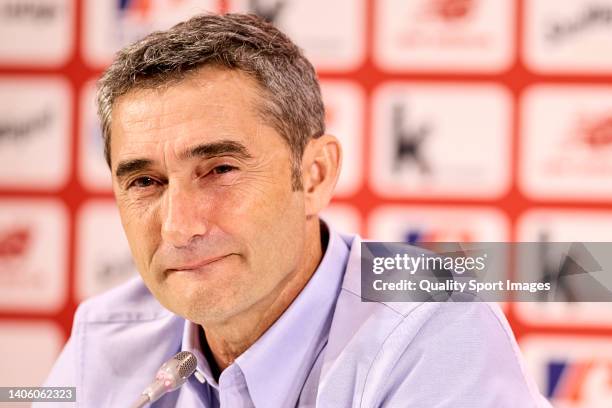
198, 264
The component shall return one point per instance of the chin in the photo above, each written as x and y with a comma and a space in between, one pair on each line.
201, 304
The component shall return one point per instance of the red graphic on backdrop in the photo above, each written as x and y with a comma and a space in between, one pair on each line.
423, 28
452, 10
585, 149
597, 132
140, 8
576, 381
14, 243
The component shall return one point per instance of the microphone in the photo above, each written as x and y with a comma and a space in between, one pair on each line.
170, 376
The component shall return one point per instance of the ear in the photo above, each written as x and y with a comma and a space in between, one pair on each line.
321, 164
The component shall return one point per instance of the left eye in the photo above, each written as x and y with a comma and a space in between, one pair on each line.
224, 168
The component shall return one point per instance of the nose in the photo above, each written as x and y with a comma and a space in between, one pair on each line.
183, 216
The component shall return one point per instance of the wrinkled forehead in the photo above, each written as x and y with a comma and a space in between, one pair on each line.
216, 103
209, 88
216, 100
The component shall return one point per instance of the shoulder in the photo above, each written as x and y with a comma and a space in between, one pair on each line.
130, 302
383, 349
117, 324
467, 348
115, 337
427, 354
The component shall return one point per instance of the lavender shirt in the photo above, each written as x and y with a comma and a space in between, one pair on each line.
281, 369
329, 349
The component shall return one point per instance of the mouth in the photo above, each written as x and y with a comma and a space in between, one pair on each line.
197, 265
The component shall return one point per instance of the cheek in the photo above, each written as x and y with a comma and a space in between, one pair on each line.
142, 232
264, 217
252, 206
270, 224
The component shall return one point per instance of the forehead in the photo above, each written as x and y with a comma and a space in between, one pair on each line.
213, 103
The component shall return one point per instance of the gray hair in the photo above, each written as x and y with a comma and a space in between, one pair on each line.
291, 99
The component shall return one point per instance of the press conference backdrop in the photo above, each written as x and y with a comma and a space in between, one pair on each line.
461, 120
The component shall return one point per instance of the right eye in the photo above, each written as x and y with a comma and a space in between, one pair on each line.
142, 182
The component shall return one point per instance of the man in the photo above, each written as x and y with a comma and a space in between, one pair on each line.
215, 138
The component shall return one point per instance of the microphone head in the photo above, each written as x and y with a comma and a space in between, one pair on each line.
174, 372
171, 375
187, 363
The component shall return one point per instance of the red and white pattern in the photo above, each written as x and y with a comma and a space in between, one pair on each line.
459, 119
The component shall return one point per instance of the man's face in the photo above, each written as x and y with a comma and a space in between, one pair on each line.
203, 187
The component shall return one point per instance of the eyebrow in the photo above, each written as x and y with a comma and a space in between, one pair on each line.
202, 151
131, 166
208, 150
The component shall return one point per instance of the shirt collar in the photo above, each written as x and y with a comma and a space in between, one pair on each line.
277, 365
191, 342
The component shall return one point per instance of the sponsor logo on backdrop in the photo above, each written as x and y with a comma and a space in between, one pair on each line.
34, 129
572, 372
567, 138
421, 235
590, 136
408, 141
414, 224
16, 130
453, 33
32, 255
567, 380
337, 43
269, 12
103, 255
444, 34
550, 268
29, 10
344, 107
421, 225
36, 32
571, 268
115, 269
571, 227
136, 18
14, 243
591, 17
136, 9
596, 132
568, 36
430, 138
110, 25
452, 10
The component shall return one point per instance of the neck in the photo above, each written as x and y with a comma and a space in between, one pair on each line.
225, 341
